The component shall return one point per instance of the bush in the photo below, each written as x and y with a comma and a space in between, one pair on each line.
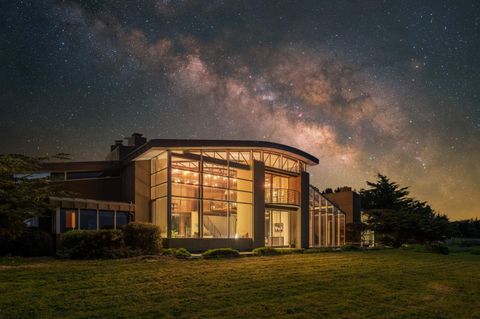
288, 251
437, 248
89, 244
475, 251
351, 248
316, 250
221, 253
33, 243
177, 252
144, 237
469, 242
181, 253
266, 251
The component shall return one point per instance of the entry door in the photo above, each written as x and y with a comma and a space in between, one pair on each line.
276, 228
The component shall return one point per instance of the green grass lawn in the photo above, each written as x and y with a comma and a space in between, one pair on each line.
385, 284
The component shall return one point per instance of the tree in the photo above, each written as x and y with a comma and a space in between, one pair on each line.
22, 195
396, 218
468, 228
384, 194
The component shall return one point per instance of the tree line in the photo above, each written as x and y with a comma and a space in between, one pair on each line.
397, 218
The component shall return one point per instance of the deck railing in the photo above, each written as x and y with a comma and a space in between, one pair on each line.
282, 196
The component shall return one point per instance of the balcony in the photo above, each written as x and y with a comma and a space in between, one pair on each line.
282, 196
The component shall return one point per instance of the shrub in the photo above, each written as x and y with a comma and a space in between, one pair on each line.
176, 252
221, 253
319, 250
144, 237
413, 247
266, 251
182, 253
288, 251
88, 244
475, 251
33, 243
469, 242
351, 248
438, 248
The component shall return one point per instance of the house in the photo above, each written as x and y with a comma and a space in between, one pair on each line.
201, 193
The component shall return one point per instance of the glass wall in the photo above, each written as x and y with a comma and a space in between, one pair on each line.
211, 196
227, 199
185, 197
246, 157
158, 193
327, 222
280, 228
280, 190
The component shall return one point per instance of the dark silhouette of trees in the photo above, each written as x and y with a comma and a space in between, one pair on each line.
396, 218
467, 228
22, 196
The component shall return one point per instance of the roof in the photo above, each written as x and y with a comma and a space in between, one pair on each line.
189, 143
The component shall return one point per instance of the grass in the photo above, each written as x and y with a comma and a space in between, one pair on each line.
382, 284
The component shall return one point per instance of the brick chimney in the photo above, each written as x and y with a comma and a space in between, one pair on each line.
118, 151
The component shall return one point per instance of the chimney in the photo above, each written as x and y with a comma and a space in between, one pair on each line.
136, 140
117, 144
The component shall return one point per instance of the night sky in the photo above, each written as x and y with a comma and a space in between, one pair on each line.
366, 86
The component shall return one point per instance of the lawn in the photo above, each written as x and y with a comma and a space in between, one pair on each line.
386, 284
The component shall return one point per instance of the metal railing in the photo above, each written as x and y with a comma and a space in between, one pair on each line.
282, 196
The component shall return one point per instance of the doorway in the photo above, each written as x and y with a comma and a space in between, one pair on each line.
280, 228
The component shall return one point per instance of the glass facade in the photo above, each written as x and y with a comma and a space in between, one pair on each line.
271, 159
210, 194
327, 222
158, 191
282, 189
281, 228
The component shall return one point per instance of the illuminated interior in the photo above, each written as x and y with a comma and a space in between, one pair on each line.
327, 222
210, 197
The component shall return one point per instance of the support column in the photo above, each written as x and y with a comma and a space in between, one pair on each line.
258, 204
304, 209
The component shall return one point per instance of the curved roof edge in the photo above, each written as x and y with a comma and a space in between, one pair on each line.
310, 159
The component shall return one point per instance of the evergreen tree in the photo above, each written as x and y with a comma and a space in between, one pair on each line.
21, 195
396, 219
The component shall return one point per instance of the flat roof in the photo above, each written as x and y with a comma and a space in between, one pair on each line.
161, 144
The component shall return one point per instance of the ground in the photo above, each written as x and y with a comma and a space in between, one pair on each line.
386, 284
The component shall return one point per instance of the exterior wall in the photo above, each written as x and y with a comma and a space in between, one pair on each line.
349, 202
99, 188
142, 191
128, 183
258, 204
304, 210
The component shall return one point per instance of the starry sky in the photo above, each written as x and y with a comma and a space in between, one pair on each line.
366, 86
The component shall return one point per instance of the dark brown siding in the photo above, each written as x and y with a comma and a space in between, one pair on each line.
258, 204
304, 209
100, 189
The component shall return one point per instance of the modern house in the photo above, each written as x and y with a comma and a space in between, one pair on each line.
201, 193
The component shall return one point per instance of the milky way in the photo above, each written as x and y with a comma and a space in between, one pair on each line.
367, 87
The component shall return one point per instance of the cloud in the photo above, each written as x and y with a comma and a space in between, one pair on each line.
290, 93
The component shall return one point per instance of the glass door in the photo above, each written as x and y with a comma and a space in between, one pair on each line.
277, 224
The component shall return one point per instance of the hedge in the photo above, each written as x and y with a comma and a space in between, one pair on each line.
133, 240
266, 251
144, 237
91, 244
221, 253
